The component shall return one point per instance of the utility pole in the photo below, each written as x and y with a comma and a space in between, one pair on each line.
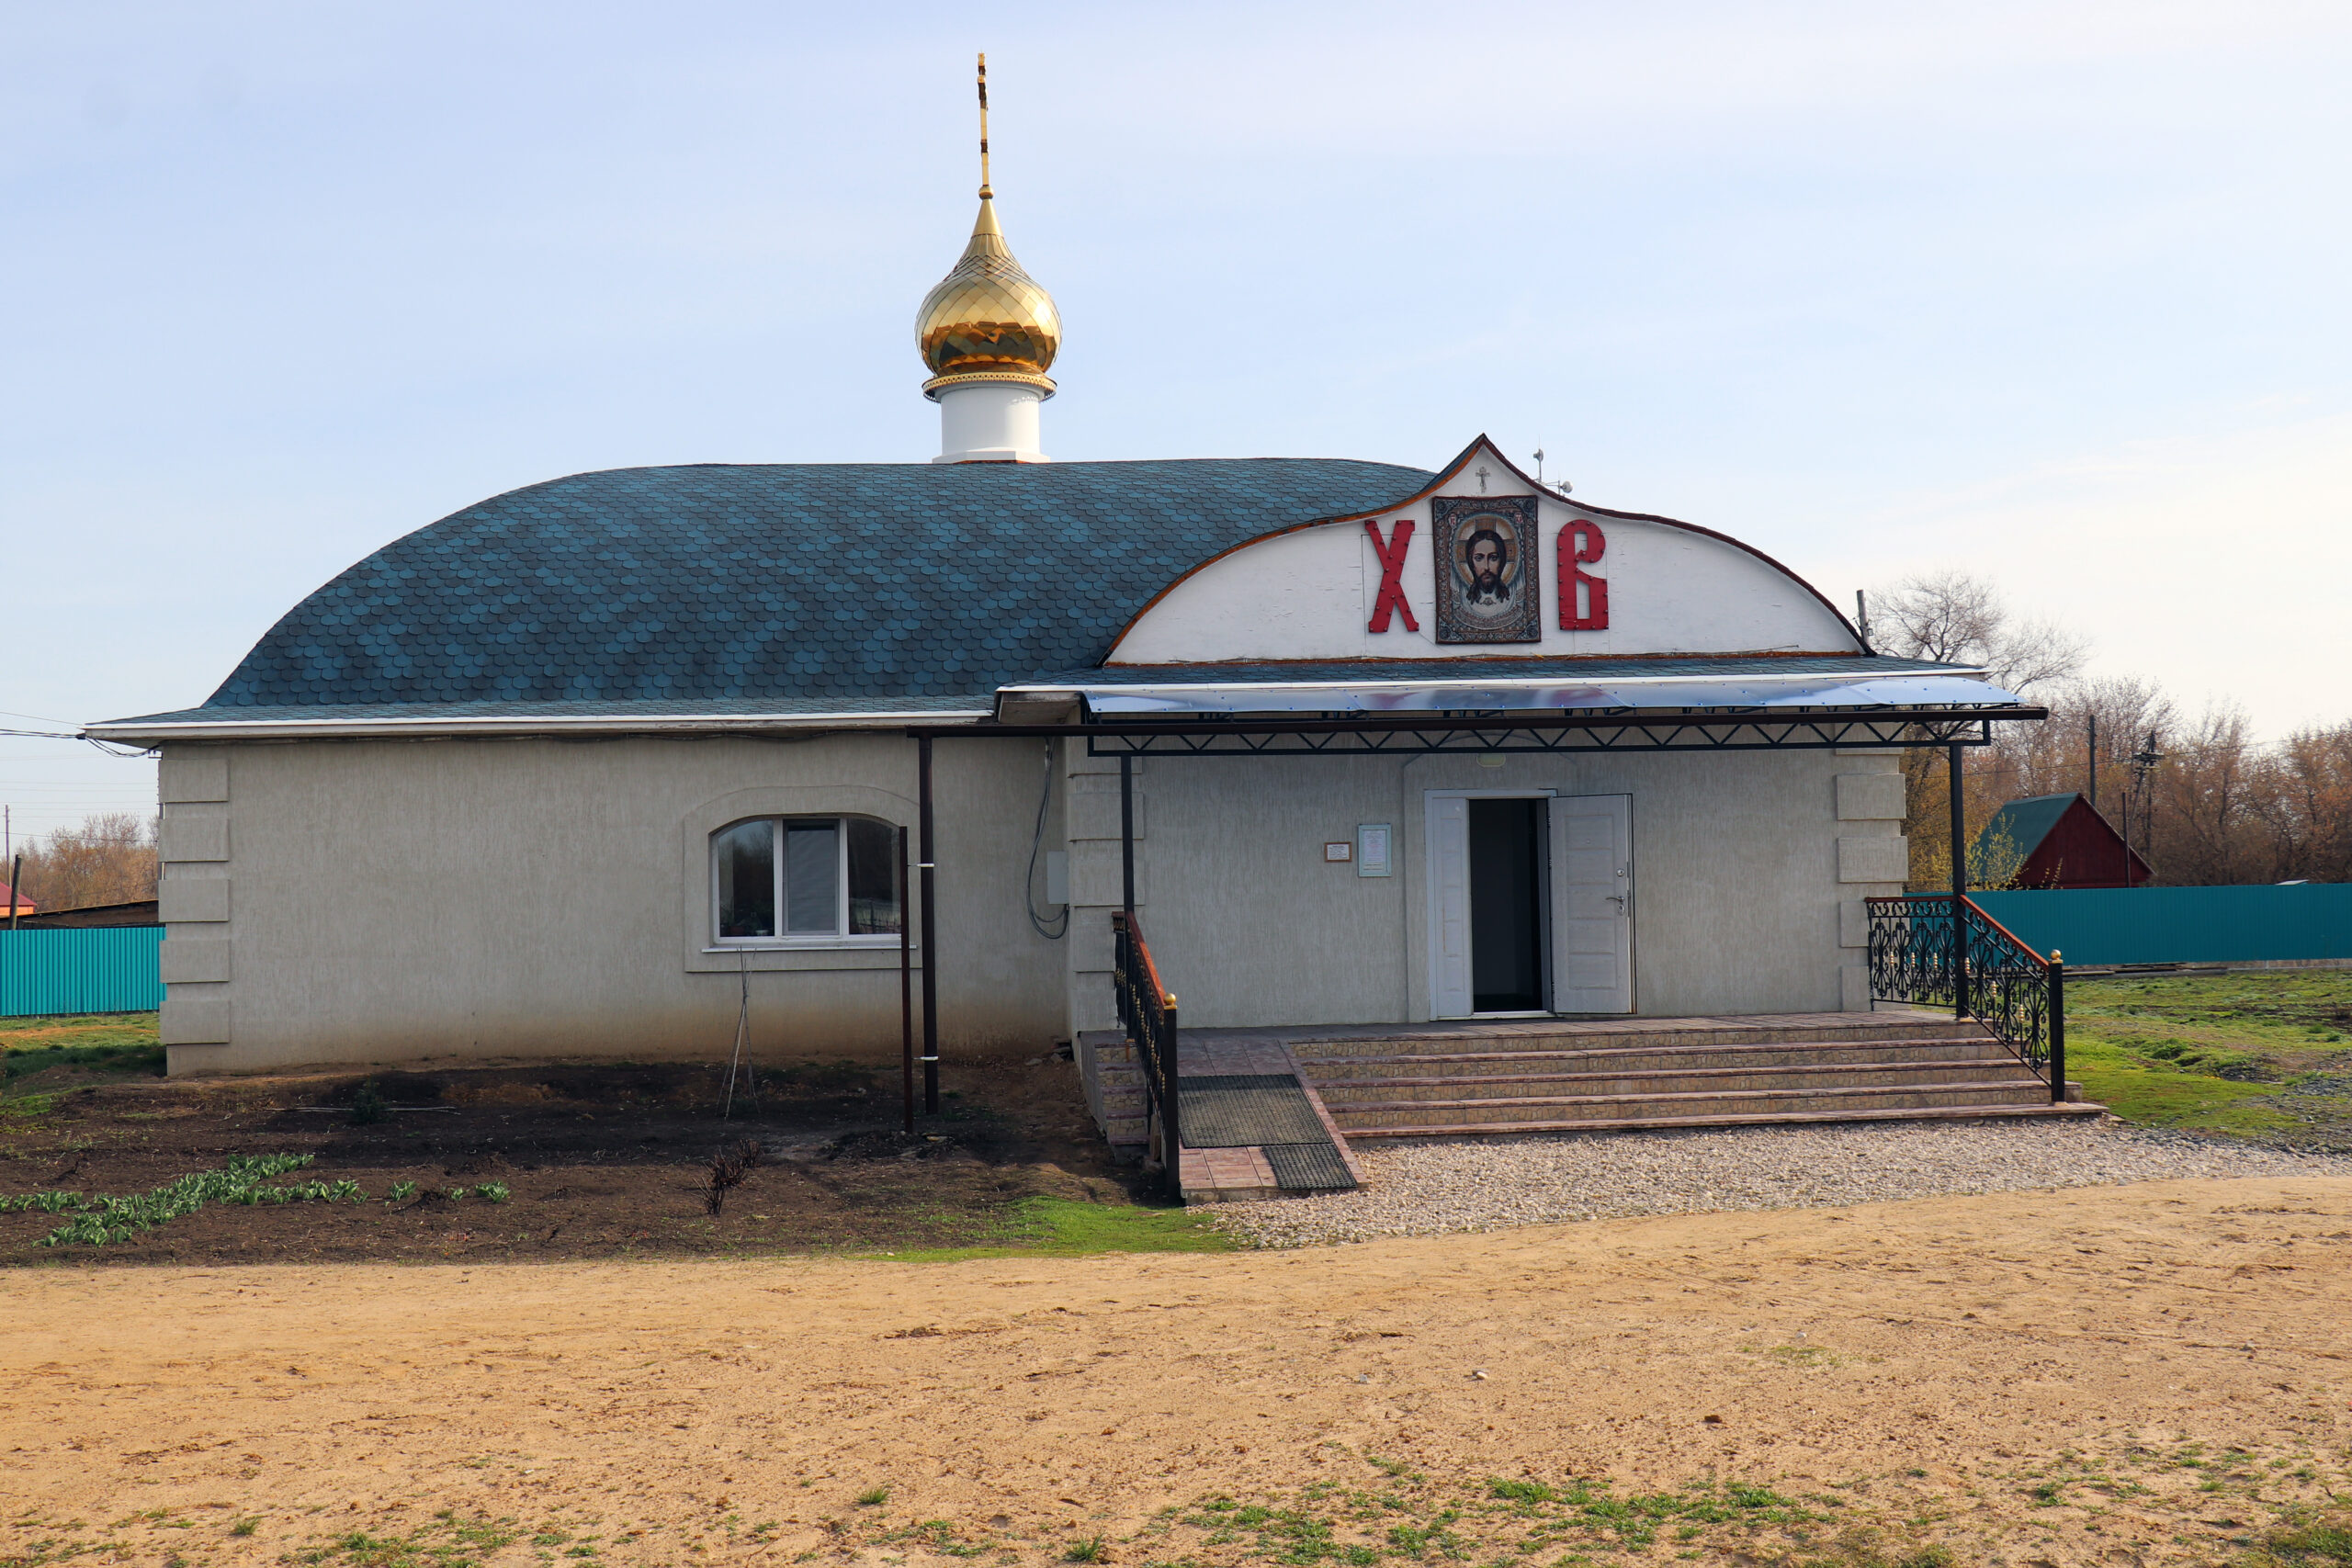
2143, 763
2094, 760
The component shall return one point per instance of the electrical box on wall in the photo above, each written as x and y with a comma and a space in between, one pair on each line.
1056, 876
1373, 840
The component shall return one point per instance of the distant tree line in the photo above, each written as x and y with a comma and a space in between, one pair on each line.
2213, 806
109, 859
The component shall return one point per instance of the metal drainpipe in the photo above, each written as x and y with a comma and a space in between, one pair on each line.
925, 850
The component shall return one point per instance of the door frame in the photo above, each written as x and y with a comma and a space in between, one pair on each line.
1435, 915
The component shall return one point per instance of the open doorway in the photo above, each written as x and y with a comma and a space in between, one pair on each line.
1508, 844
1490, 902
1530, 903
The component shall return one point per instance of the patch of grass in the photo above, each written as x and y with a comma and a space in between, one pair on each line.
1499, 1521
1062, 1227
873, 1497
2140, 1089
79, 1032
1090, 1549
2312, 1544
104, 1045
447, 1541
2189, 1051
127, 1061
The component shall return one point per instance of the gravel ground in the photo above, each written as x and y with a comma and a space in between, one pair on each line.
1428, 1188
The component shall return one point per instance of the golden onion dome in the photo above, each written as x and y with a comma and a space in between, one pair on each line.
987, 320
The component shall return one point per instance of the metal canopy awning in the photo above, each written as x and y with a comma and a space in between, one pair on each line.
1795, 702
1656, 693
1204, 711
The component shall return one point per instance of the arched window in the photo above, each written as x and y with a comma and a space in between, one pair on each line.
783, 879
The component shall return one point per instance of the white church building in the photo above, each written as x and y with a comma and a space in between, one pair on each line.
1374, 751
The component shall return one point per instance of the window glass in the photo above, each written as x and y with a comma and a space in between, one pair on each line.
812, 872
745, 854
872, 876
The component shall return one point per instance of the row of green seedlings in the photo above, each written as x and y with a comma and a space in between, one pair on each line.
244, 1181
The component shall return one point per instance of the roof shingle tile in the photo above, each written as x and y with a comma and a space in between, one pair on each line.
853, 581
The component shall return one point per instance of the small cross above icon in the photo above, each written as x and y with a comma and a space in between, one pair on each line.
1482, 479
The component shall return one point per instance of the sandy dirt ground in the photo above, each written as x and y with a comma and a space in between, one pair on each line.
2155, 1374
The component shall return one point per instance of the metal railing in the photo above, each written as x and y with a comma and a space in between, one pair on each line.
1147, 1017
1973, 965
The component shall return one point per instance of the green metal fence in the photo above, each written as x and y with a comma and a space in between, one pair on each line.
88, 969
2180, 925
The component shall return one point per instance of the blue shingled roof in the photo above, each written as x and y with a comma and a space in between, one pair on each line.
820, 581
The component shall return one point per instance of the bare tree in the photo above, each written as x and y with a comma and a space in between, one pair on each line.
109, 859
2308, 807
1956, 617
2218, 807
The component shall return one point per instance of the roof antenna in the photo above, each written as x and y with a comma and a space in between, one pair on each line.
1560, 489
985, 193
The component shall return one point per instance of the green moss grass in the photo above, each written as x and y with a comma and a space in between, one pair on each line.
2156, 1095
1059, 1227
118, 1043
2211, 1053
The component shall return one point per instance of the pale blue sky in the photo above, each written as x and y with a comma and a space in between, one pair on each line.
2054, 292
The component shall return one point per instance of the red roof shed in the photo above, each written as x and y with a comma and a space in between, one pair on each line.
2059, 840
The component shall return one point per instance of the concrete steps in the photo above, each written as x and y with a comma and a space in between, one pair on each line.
1742, 1119
1585, 1076
1483, 1077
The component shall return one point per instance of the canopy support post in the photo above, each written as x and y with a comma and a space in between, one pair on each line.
1127, 832
1958, 888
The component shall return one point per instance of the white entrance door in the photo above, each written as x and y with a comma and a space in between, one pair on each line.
1448, 836
1593, 910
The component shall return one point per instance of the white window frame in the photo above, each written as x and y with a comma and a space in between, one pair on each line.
839, 937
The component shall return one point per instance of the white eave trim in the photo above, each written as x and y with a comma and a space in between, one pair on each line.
136, 733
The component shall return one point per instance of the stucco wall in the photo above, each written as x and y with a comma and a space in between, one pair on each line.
378, 900
1749, 868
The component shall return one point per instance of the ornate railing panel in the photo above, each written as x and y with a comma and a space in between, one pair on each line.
1976, 967
1147, 1017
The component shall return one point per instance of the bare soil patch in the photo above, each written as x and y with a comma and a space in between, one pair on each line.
593, 1160
2137, 1375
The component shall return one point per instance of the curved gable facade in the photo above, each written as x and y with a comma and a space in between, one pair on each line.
1317, 593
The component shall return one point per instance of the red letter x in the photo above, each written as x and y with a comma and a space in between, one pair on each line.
1392, 575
